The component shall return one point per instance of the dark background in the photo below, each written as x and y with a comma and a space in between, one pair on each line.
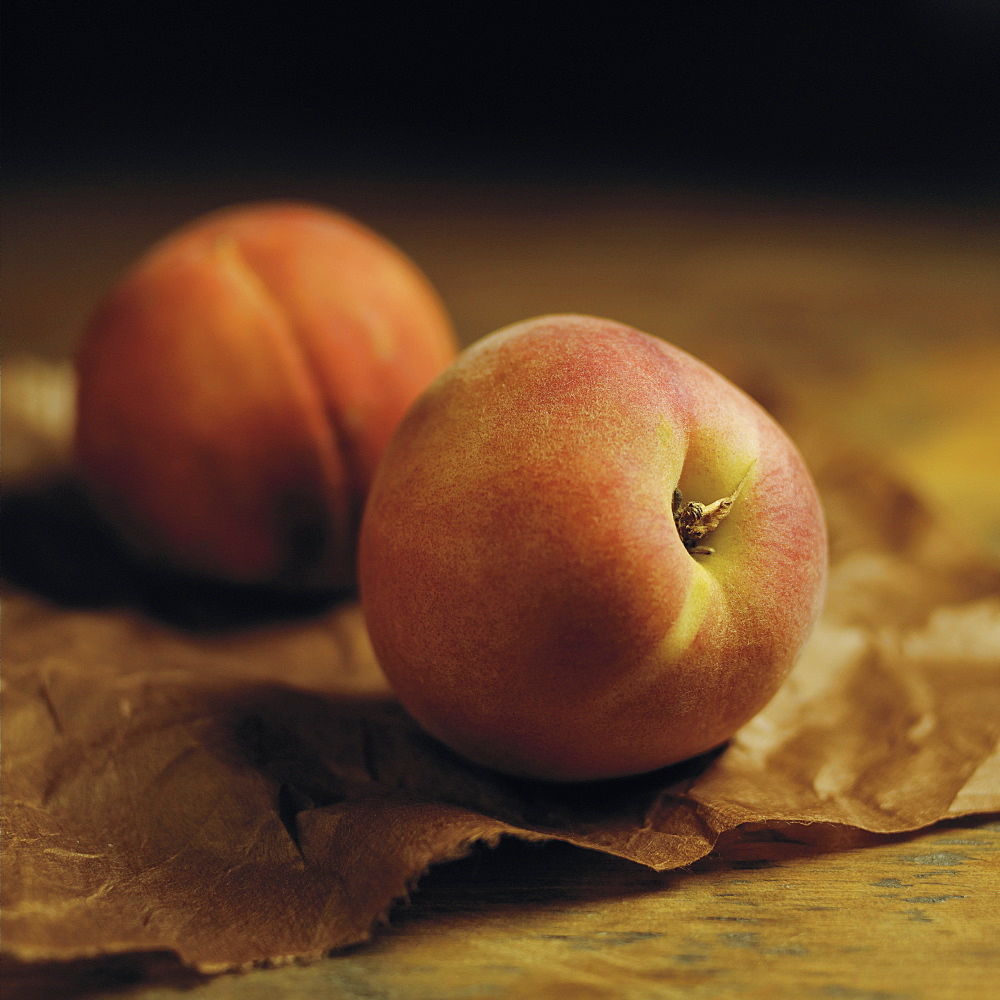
895, 100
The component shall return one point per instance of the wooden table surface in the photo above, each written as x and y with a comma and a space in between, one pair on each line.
881, 320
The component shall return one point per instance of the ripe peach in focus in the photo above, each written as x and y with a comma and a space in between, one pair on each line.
587, 555
238, 386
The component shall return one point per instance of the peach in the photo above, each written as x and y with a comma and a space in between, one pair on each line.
239, 384
540, 597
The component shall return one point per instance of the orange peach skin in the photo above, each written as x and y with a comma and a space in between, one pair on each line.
524, 585
238, 386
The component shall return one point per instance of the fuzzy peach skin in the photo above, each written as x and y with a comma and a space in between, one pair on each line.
239, 384
524, 584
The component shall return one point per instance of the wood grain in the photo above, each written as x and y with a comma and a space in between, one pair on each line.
901, 918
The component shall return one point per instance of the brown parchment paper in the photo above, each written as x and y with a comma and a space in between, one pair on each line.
226, 777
